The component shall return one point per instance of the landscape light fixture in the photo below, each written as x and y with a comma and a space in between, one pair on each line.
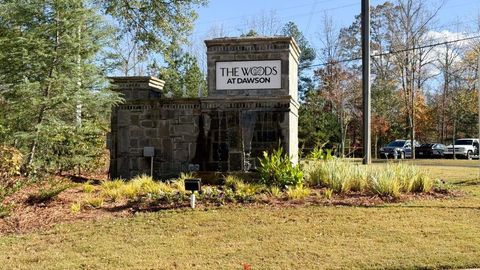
193, 184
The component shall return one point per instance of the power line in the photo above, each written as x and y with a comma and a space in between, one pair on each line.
281, 17
393, 52
253, 14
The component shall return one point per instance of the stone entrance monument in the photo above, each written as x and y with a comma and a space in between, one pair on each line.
251, 107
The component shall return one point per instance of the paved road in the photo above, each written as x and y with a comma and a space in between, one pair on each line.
436, 162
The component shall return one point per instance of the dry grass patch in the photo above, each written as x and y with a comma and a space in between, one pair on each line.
264, 237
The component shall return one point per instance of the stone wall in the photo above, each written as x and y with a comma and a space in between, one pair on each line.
226, 131
195, 134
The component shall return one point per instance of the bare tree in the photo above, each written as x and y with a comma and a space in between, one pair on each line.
264, 24
132, 59
409, 27
339, 86
447, 59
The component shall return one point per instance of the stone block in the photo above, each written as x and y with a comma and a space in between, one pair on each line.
123, 140
166, 167
144, 143
151, 133
163, 129
167, 149
157, 143
192, 148
135, 132
135, 151
180, 146
134, 119
147, 123
178, 139
181, 155
123, 118
186, 119
146, 116
134, 143
183, 129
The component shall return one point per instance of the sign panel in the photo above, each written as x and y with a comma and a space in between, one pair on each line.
249, 75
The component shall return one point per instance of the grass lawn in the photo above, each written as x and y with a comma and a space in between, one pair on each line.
418, 234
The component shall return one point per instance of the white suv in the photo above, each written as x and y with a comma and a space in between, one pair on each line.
466, 148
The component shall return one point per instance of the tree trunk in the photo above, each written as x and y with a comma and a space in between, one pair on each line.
46, 95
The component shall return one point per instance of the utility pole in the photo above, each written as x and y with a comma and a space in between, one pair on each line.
367, 155
478, 93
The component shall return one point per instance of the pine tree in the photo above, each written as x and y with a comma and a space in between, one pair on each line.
56, 104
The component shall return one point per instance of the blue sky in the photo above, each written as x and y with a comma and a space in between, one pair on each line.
231, 15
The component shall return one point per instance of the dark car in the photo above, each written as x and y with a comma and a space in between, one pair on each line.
397, 149
430, 150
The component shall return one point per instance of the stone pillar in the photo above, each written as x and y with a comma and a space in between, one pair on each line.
258, 69
128, 131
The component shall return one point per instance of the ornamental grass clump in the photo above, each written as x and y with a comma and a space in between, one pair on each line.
342, 177
143, 186
338, 175
88, 188
385, 183
93, 202
298, 192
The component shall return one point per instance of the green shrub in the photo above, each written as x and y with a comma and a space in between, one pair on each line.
47, 194
10, 162
442, 186
276, 169
316, 153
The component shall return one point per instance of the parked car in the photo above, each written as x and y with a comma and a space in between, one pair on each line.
430, 150
397, 149
467, 148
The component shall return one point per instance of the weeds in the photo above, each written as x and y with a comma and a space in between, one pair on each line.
6, 209
76, 207
327, 193
318, 153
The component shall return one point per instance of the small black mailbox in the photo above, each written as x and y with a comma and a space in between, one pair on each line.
194, 184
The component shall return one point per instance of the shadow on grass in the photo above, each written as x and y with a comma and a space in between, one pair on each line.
82, 179
466, 183
427, 207
144, 207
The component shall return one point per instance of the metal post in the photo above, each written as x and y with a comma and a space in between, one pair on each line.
192, 200
367, 155
151, 167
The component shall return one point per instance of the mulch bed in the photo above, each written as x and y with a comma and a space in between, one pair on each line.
27, 217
